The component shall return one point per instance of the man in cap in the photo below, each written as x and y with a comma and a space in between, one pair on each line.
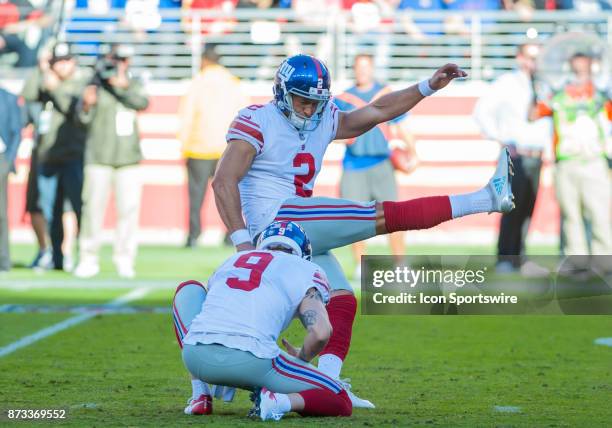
57, 85
108, 110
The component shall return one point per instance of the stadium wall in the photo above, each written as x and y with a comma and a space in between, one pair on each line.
455, 159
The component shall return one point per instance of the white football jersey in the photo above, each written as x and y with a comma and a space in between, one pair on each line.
252, 298
287, 162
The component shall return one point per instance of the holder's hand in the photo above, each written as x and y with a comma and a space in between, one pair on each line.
291, 350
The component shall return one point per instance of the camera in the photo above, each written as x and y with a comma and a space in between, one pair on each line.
105, 66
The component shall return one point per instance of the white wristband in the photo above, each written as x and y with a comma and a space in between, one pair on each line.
240, 236
425, 89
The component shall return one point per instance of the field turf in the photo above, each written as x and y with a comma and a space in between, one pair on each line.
123, 368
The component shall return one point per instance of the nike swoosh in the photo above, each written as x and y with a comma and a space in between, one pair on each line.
246, 117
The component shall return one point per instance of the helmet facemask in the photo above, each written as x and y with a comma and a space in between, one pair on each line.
303, 123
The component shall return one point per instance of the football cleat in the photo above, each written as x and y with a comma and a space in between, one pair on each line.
531, 269
255, 397
500, 185
268, 406
358, 403
68, 264
200, 406
125, 270
86, 270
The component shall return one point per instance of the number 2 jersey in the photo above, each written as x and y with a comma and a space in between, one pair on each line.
286, 164
252, 298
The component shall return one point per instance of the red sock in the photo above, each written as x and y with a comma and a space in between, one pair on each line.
322, 402
421, 213
341, 311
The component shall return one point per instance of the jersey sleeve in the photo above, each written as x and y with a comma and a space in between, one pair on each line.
319, 281
247, 126
335, 116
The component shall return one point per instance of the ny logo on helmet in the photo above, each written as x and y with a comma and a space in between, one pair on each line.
285, 71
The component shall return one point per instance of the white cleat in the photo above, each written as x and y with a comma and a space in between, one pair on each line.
86, 270
500, 185
268, 406
531, 269
358, 403
126, 271
68, 264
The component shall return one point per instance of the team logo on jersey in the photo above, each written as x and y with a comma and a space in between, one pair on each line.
285, 71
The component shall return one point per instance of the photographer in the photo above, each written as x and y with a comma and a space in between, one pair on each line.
108, 108
57, 84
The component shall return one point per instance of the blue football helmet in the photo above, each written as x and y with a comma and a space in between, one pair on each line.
306, 76
288, 235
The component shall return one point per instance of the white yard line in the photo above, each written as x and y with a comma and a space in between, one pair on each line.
70, 322
90, 284
104, 309
507, 409
605, 341
102, 284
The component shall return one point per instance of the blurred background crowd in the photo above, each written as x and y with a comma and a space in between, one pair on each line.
407, 36
94, 87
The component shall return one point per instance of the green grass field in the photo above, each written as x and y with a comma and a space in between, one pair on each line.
124, 369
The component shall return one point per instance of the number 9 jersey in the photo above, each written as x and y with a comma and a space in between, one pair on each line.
287, 161
252, 298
